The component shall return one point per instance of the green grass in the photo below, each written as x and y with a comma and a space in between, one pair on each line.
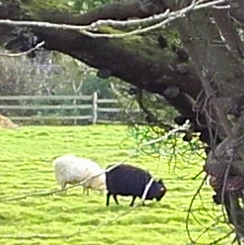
26, 167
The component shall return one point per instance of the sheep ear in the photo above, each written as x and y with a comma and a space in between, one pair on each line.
160, 181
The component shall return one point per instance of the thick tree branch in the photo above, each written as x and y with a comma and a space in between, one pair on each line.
115, 11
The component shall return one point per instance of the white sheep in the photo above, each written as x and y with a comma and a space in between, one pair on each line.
70, 169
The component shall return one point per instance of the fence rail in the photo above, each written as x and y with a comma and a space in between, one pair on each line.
43, 107
93, 103
33, 118
47, 97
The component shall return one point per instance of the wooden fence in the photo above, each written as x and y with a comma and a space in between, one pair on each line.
92, 102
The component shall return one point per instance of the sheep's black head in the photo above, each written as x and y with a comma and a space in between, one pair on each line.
162, 190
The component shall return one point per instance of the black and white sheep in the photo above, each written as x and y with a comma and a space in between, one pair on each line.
70, 169
128, 180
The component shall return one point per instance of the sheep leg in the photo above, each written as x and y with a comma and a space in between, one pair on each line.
115, 199
63, 186
86, 190
132, 202
108, 197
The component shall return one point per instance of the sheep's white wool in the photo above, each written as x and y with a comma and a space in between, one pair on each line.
70, 169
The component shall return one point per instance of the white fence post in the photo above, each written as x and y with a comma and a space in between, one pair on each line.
94, 108
75, 120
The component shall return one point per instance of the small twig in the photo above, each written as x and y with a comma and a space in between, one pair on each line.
223, 191
222, 238
170, 17
39, 45
189, 210
206, 230
196, 176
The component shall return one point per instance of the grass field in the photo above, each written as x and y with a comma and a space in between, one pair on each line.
25, 167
